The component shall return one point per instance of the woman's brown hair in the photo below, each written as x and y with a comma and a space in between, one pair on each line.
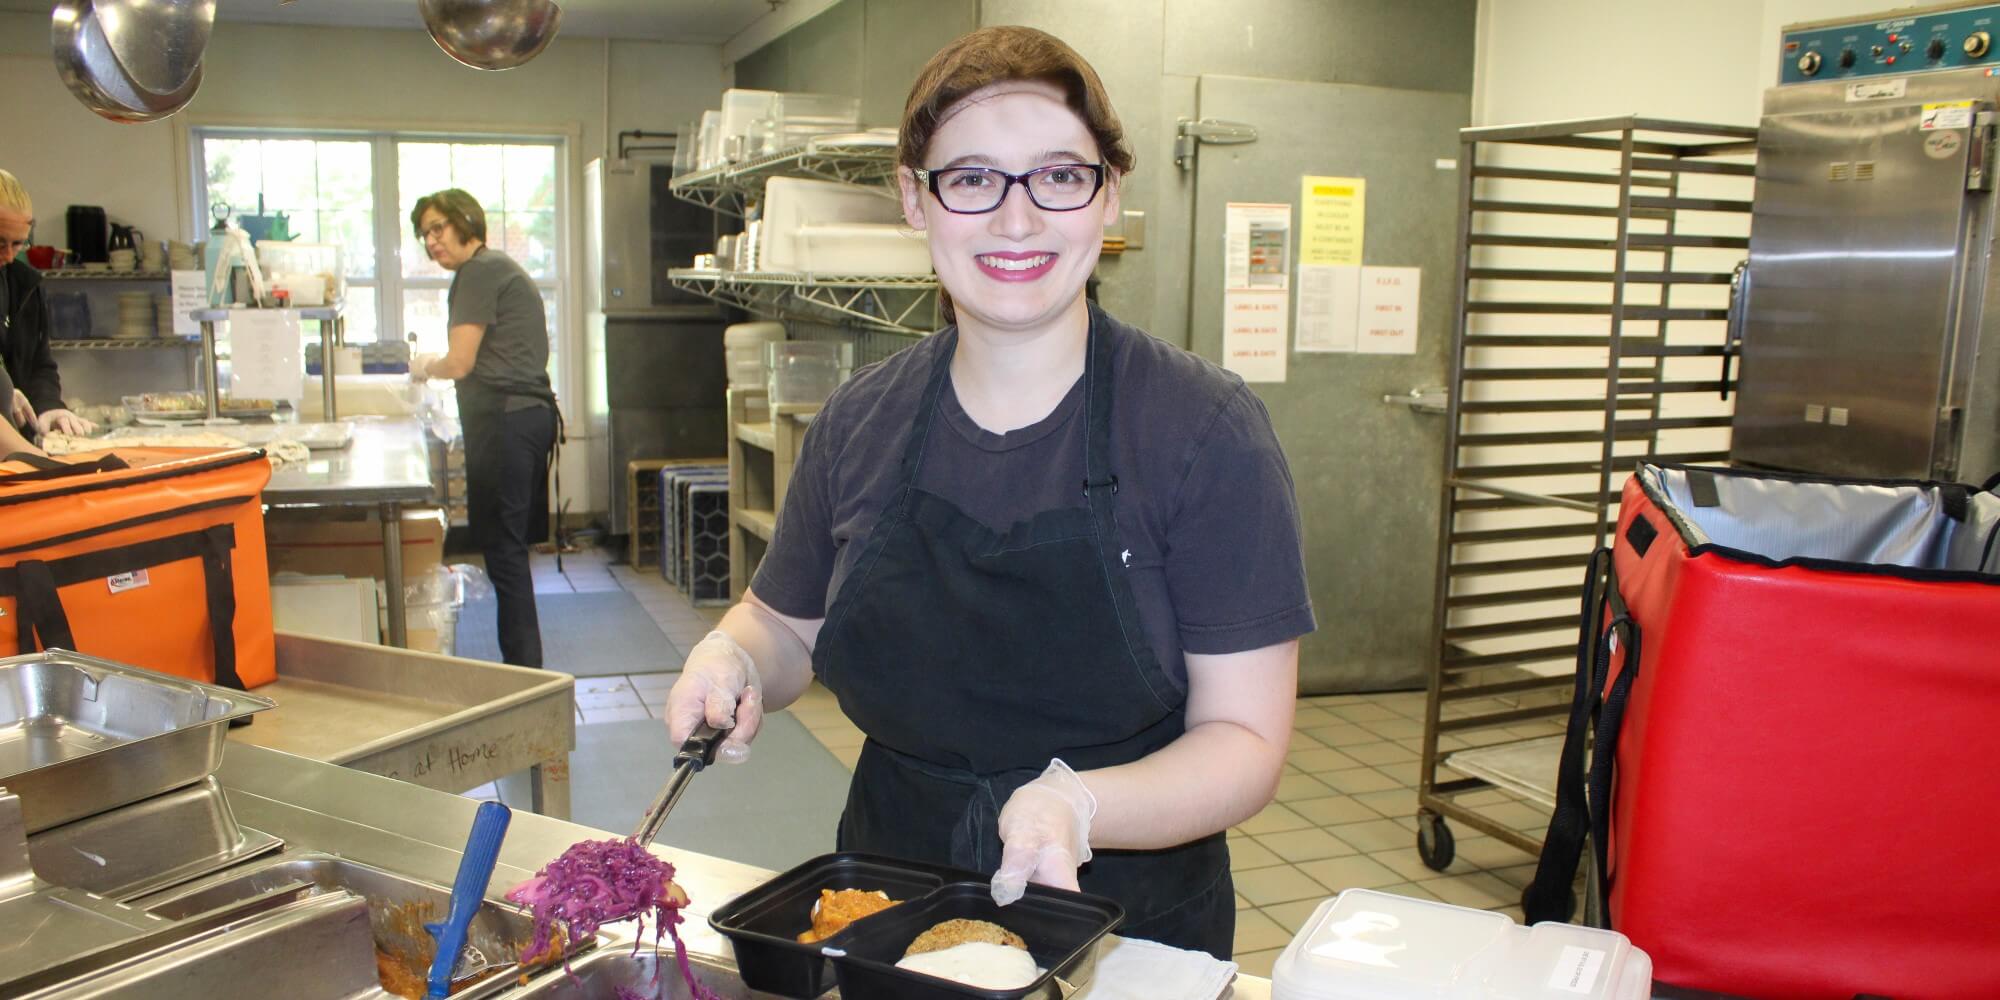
460, 209
1006, 53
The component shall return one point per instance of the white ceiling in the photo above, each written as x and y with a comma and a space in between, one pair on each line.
706, 21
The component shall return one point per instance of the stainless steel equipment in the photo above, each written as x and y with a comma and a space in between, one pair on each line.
656, 373
80, 735
1869, 337
131, 60
492, 34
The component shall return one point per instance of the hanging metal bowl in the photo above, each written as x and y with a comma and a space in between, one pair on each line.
491, 34
131, 60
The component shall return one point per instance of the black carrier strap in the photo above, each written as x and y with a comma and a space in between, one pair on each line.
49, 468
1583, 791
36, 584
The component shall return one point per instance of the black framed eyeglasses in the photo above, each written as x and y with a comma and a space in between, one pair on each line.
1058, 187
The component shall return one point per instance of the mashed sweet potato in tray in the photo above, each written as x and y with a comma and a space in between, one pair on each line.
836, 908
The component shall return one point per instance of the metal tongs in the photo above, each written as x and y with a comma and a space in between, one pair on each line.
697, 753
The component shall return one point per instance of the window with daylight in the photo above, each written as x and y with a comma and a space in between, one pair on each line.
356, 189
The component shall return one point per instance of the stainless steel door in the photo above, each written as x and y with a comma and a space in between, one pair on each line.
1858, 246
1368, 474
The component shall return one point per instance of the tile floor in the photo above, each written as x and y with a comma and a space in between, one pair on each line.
1345, 810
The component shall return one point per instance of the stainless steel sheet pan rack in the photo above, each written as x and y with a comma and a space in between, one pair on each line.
1594, 288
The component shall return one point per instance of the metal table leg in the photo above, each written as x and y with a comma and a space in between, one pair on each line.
392, 572
330, 338
211, 390
549, 784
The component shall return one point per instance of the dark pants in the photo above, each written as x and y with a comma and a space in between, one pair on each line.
506, 469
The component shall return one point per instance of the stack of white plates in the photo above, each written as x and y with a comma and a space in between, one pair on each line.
182, 257
152, 257
124, 260
136, 315
163, 314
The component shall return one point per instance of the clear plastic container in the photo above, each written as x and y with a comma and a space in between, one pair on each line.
1365, 945
742, 110
743, 350
806, 371
816, 113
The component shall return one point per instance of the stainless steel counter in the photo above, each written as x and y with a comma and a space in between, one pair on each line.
387, 465
419, 832
438, 721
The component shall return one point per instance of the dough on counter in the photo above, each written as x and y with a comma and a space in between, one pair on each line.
980, 964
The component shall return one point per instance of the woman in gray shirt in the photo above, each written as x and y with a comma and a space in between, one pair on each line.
499, 358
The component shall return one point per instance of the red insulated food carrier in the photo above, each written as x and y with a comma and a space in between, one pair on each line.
1792, 686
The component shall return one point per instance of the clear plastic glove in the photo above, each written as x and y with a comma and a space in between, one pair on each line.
420, 366
718, 683
20, 411
61, 421
1044, 833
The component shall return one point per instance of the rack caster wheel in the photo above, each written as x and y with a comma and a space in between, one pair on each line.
1434, 843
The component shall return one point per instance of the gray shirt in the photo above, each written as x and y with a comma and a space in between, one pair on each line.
1205, 506
511, 370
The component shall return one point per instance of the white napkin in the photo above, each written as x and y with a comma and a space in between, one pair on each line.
1131, 969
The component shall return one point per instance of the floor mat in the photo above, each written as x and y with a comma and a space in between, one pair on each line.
775, 810
597, 634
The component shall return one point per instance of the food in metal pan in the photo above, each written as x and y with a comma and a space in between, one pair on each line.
835, 909
597, 882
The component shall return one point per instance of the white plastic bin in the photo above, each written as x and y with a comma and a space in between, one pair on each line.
864, 248
743, 350
791, 203
1366, 945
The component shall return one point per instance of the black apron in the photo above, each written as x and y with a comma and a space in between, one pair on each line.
971, 657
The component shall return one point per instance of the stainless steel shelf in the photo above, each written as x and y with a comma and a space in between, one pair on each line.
123, 344
726, 188
904, 304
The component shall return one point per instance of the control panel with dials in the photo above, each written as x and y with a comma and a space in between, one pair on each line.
1896, 44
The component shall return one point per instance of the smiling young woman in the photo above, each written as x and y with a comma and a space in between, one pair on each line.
1049, 564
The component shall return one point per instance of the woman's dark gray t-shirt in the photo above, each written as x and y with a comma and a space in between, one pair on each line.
1206, 513
511, 369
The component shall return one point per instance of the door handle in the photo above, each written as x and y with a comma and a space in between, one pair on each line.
1739, 313
1424, 399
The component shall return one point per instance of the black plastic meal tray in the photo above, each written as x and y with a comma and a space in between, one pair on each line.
1063, 930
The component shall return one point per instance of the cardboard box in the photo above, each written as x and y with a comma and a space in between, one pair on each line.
348, 542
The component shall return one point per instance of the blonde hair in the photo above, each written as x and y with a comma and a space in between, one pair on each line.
14, 196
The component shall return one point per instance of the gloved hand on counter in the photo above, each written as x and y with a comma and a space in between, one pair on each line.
718, 683
61, 421
420, 365
1044, 833
20, 411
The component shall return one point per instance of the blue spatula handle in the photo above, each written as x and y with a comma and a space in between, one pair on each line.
475, 869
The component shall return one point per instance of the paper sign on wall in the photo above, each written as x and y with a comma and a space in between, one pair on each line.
1254, 322
1329, 307
1333, 215
1256, 295
265, 358
1388, 315
190, 292
1259, 245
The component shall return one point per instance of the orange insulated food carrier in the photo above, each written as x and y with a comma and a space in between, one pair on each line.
148, 556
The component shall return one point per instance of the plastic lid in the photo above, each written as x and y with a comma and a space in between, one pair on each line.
1365, 945
1567, 962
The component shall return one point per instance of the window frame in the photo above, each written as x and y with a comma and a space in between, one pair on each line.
389, 283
